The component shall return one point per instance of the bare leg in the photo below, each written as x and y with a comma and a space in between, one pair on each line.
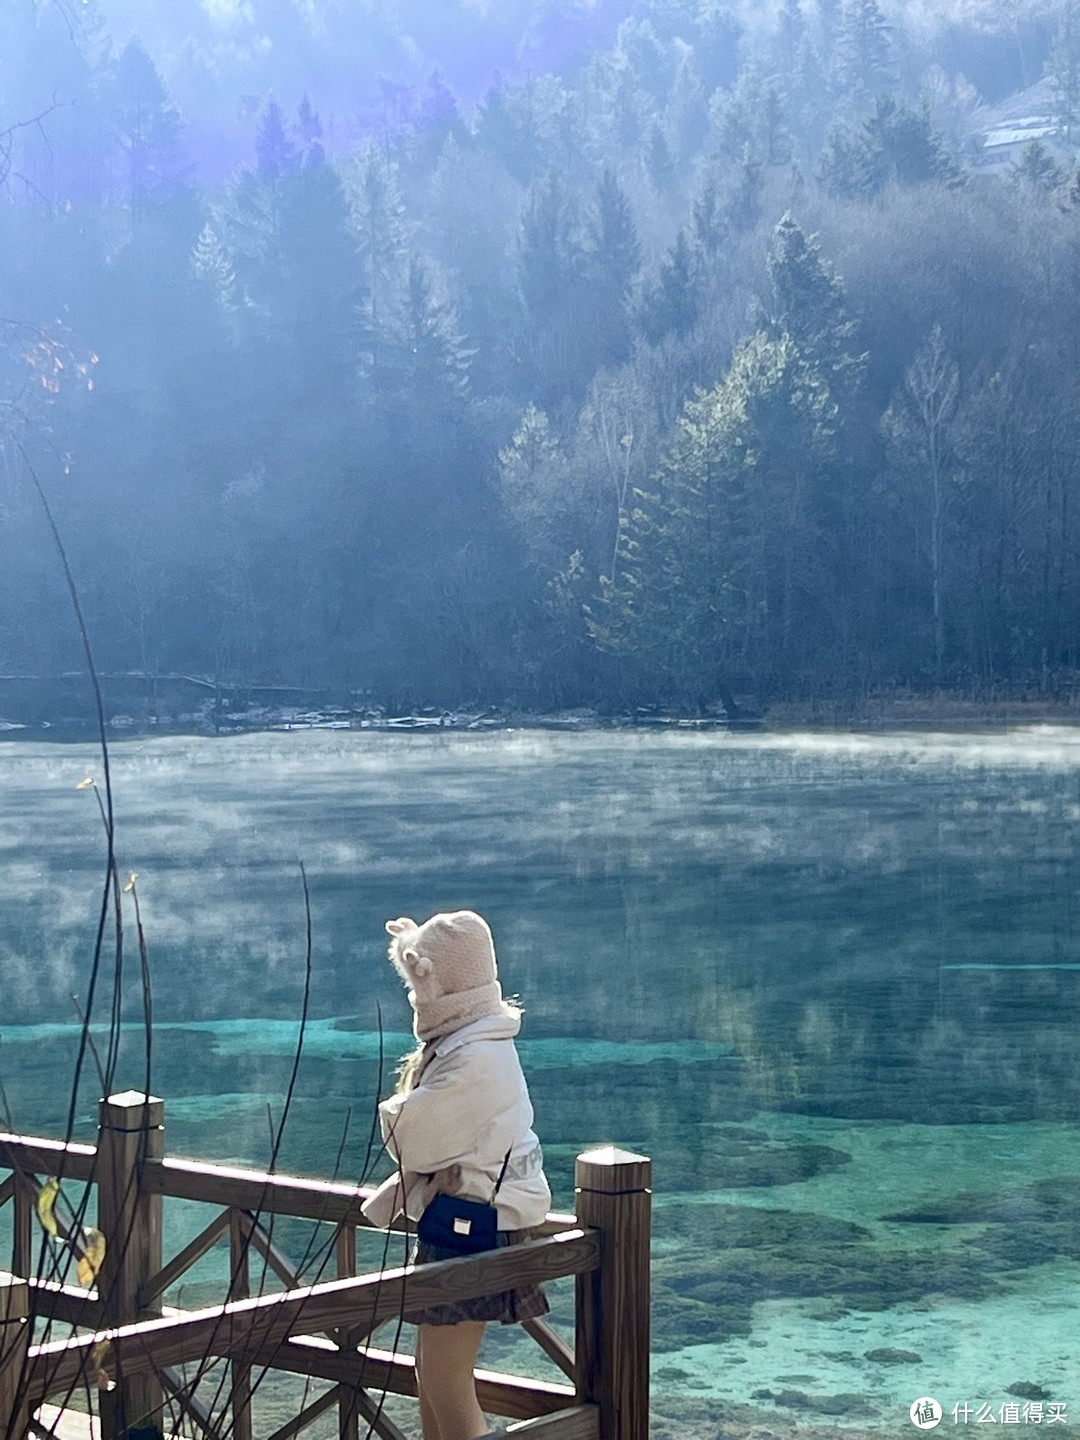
429, 1426
445, 1360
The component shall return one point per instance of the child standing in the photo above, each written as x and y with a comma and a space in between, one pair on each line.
461, 1117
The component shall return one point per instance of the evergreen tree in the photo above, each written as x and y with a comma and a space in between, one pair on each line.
149, 130
713, 569
686, 117
275, 153
863, 51
439, 364
790, 37
718, 36
893, 145
212, 266
382, 240
709, 223
659, 162
920, 427
1036, 168
1063, 66
808, 297
671, 304
612, 266
649, 62
553, 268
310, 130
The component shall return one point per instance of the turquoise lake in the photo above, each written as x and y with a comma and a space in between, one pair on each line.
830, 983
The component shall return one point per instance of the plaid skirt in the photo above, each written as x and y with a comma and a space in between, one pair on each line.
509, 1307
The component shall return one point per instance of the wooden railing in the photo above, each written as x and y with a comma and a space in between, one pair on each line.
126, 1348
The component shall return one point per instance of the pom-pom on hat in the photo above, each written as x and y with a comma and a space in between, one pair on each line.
448, 963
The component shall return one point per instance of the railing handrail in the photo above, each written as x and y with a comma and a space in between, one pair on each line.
605, 1247
208, 1182
240, 1327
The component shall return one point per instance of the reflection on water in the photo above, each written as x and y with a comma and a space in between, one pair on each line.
829, 983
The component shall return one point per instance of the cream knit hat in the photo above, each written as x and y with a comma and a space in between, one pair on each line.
448, 963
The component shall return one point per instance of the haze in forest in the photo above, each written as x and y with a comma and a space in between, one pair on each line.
559, 353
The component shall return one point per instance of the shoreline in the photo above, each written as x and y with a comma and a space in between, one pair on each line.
929, 714
61, 709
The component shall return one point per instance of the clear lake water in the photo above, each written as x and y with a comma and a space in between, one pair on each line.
829, 983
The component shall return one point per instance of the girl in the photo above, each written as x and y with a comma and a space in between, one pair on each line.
461, 1117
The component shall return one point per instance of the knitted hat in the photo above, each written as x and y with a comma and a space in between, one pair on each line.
448, 963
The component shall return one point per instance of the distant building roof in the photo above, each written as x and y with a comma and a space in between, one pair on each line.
1022, 135
1033, 106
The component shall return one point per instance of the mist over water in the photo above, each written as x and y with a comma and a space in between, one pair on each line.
828, 982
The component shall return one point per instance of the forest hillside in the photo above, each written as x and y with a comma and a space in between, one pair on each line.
546, 352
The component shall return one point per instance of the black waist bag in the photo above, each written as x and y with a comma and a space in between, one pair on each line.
465, 1226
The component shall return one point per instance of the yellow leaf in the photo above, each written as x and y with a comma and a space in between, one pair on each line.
98, 1374
91, 1258
46, 1206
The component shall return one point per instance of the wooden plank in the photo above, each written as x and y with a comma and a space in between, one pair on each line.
372, 1412
68, 1303
206, 1239
14, 1348
22, 1235
240, 1289
553, 1345
380, 1370
131, 1132
261, 1193
581, 1422
258, 1192
307, 1416
612, 1303
35, 1155
278, 1261
190, 1405
348, 1405
366, 1301
54, 1423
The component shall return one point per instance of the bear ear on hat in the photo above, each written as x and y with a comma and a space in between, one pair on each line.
397, 927
419, 964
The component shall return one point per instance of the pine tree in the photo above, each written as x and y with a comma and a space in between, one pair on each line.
1063, 66
1036, 168
439, 363
382, 240
310, 129
686, 117
808, 303
613, 263
709, 223
790, 35
864, 51
671, 304
149, 130
212, 266
713, 568
659, 162
893, 145
274, 150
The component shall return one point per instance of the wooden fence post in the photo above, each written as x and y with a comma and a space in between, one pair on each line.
614, 1194
131, 1131
14, 1343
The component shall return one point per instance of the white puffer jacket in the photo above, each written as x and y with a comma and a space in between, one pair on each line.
470, 1106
